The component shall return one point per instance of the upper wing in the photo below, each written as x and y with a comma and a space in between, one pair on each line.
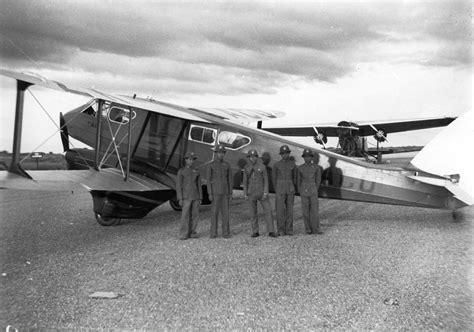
396, 126
41, 81
240, 115
149, 104
366, 128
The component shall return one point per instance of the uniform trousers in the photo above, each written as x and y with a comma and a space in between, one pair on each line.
284, 211
310, 207
189, 217
265, 203
220, 203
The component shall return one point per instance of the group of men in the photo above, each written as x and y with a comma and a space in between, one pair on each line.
288, 179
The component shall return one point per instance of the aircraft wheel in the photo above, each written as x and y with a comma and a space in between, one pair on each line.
175, 205
107, 221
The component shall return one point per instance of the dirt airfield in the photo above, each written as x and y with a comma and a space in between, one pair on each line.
375, 267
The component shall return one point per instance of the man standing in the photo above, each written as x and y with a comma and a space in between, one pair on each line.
256, 189
284, 180
219, 188
189, 194
309, 179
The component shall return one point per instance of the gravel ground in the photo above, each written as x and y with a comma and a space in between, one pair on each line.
375, 267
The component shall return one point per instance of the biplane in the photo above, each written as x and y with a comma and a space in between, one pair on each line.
352, 137
137, 146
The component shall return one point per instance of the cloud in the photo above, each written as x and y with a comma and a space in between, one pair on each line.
229, 48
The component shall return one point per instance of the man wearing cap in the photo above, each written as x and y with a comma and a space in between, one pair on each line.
256, 189
189, 194
309, 179
219, 188
284, 181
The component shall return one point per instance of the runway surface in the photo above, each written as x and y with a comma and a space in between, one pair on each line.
375, 267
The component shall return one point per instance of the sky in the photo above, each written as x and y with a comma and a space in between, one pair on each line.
319, 62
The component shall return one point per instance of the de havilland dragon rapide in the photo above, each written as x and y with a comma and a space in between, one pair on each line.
136, 147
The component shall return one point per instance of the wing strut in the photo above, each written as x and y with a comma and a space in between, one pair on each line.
15, 166
129, 148
100, 103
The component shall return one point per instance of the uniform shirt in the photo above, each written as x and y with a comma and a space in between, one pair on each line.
188, 184
219, 179
255, 179
309, 179
284, 176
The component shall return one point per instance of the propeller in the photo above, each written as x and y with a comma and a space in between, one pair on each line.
64, 132
320, 138
380, 134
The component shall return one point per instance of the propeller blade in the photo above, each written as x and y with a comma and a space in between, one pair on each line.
320, 138
379, 134
64, 132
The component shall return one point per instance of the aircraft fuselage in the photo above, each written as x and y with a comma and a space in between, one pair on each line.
158, 143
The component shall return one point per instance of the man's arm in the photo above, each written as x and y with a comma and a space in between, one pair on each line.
245, 179
318, 177
275, 174
265, 180
294, 175
298, 179
179, 186
230, 180
208, 178
199, 183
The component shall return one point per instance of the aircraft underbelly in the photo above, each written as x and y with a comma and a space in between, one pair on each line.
398, 192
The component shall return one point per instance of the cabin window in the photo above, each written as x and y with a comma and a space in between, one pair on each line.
202, 134
233, 141
120, 115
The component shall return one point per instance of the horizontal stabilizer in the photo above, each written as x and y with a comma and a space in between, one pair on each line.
454, 188
450, 153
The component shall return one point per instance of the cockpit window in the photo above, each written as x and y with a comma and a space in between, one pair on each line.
203, 135
120, 115
91, 109
233, 141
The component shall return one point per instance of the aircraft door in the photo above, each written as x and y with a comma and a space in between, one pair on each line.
162, 142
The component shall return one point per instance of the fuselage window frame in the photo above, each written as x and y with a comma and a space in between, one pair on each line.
123, 116
207, 136
238, 136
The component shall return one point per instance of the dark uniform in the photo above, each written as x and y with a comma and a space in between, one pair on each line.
219, 185
189, 194
284, 181
256, 189
309, 179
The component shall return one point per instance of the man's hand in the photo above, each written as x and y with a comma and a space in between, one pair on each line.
180, 202
211, 198
265, 196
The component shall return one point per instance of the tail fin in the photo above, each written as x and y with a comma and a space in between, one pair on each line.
450, 154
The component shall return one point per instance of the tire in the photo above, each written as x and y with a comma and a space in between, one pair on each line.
175, 205
107, 221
